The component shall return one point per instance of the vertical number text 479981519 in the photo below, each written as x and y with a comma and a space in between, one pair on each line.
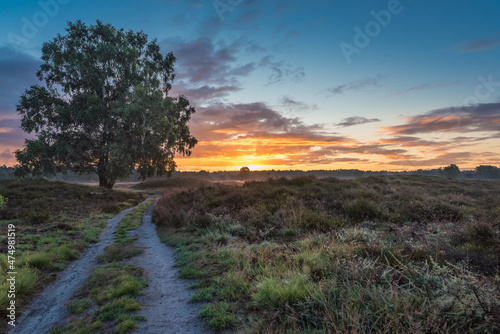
11, 274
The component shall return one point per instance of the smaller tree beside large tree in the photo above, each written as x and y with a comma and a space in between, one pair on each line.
104, 108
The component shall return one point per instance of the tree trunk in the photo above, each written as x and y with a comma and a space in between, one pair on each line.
104, 183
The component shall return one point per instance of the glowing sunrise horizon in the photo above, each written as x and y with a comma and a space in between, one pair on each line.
371, 85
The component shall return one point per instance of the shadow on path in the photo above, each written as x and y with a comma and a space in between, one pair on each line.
48, 307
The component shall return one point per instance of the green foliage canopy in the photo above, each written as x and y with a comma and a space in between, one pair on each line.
488, 172
104, 108
3, 202
244, 173
452, 171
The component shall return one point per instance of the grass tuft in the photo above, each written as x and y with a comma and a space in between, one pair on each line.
219, 315
78, 306
276, 293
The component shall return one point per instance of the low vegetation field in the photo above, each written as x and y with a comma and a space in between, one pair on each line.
53, 223
168, 184
385, 254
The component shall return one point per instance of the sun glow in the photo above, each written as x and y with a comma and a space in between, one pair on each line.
253, 167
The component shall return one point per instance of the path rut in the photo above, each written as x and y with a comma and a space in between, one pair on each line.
165, 303
48, 308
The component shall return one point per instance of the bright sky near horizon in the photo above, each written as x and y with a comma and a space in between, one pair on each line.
378, 85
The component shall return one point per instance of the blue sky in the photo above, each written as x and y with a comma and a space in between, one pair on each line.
274, 88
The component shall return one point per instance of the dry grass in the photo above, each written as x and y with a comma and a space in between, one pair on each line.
393, 254
54, 221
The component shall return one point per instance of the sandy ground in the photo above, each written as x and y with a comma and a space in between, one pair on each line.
165, 303
48, 308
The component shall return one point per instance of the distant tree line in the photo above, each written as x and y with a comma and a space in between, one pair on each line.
6, 172
488, 172
480, 172
244, 174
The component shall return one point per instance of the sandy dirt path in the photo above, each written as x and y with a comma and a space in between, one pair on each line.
48, 308
165, 303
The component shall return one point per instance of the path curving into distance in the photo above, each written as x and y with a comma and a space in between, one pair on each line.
48, 308
165, 303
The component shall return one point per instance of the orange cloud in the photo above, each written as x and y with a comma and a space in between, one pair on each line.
234, 135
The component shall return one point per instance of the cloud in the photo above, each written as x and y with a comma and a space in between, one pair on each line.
255, 120
362, 84
480, 118
350, 160
479, 44
281, 71
294, 106
253, 47
425, 145
207, 70
215, 62
11, 138
243, 70
472, 139
202, 61
11, 132
254, 133
428, 85
231, 131
17, 72
370, 149
439, 160
6, 155
356, 120
204, 93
